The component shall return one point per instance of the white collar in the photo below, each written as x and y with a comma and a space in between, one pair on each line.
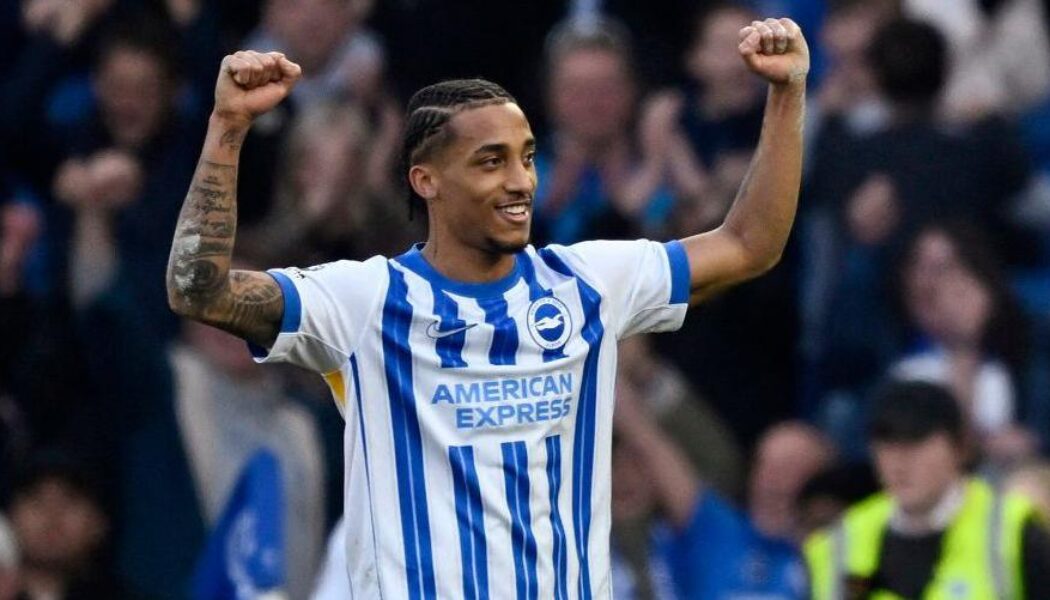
937, 519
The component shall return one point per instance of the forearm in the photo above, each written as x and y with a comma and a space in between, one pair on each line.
684, 170
94, 256
672, 476
764, 209
638, 188
199, 264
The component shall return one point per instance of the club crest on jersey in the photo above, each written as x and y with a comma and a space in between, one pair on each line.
549, 322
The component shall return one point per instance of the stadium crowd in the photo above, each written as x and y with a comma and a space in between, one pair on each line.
918, 270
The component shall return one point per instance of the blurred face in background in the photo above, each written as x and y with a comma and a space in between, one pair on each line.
135, 95
327, 156
592, 95
918, 474
944, 299
311, 30
714, 61
846, 36
57, 526
786, 458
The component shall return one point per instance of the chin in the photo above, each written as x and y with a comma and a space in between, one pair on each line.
509, 245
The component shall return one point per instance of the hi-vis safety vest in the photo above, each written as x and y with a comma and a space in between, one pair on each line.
980, 553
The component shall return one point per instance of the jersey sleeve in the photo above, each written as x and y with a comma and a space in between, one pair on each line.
326, 309
646, 283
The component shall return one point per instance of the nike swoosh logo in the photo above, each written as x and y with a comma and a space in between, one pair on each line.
434, 331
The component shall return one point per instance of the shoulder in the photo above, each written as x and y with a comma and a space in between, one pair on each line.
592, 255
343, 283
337, 271
870, 512
715, 513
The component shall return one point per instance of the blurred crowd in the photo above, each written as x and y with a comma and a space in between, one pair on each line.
920, 255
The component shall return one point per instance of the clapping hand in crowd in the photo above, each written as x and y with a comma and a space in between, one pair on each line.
107, 180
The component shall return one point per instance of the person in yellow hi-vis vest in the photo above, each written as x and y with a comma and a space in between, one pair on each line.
933, 533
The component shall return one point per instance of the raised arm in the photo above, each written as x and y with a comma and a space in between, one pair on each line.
200, 284
674, 483
751, 239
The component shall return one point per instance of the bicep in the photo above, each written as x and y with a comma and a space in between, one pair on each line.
717, 259
250, 307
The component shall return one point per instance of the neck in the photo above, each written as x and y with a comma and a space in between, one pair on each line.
466, 264
42, 583
717, 104
932, 518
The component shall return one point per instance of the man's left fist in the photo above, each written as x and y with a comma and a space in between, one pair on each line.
776, 50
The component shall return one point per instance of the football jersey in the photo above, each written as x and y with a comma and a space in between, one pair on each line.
478, 415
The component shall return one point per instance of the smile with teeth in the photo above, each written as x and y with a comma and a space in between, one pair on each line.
515, 209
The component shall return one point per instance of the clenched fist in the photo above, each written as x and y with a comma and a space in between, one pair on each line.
251, 83
776, 50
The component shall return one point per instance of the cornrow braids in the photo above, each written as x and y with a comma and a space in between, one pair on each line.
429, 112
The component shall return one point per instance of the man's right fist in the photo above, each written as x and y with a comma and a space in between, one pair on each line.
251, 83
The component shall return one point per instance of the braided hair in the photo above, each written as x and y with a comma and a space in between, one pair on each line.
429, 112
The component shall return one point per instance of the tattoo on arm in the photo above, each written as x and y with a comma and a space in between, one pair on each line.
200, 283
232, 139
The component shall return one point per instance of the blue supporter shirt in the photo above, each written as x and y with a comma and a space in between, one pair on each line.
721, 556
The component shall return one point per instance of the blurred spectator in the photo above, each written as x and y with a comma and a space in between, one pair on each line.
722, 103
972, 333
62, 532
830, 492
872, 190
592, 183
662, 29
1032, 481
749, 329
848, 90
707, 441
48, 88
9, 562
41, 380
50, 45
685, 134
430, 40
699, 545
787, 457
182, 422
227, 408
937, 526
335, 198
129, 163
341, 59
999, 53
20, 228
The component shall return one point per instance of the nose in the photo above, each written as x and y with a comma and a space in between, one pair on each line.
520, 180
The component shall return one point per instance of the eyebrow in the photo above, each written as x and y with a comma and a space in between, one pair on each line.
530, 144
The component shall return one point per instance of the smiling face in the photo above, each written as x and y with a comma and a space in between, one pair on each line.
479, 185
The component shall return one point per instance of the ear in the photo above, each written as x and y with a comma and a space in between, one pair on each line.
424, 180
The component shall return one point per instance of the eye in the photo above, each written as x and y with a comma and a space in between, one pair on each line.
530, 157
491, 162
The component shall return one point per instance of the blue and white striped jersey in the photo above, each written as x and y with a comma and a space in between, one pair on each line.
479, 416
